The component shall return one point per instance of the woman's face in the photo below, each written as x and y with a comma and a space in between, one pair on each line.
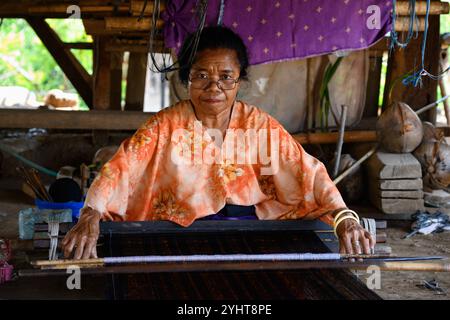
214, 64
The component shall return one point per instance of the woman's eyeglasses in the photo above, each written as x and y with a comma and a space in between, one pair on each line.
203, 83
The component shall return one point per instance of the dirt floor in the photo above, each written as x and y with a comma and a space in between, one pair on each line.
394, 285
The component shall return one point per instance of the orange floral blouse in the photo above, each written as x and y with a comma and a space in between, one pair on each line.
173, 169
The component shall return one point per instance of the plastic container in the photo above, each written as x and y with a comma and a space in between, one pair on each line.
74, 206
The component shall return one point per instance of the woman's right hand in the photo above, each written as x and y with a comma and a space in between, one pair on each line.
83, 236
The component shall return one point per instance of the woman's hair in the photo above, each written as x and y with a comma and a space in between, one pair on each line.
212, 38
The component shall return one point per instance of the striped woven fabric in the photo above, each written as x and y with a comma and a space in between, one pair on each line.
293, 284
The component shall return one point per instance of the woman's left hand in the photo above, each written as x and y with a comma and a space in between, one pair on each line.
354, 239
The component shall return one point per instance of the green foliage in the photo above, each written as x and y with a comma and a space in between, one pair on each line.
325, 102
24, 60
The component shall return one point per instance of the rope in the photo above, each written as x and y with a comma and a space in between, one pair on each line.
416, 78
412, 17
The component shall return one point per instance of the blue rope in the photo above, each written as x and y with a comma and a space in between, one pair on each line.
412, 18
416, 78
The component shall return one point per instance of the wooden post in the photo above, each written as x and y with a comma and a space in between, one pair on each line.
137, 68
373, 84
102, 74
116, 80
402, 61
107, 76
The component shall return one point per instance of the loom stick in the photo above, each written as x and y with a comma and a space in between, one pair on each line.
222, 258
241, 266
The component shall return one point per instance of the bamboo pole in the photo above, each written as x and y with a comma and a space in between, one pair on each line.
243, 266
332, 137
402, 24
402, 8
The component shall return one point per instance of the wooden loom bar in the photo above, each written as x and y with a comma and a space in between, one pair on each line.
245, 266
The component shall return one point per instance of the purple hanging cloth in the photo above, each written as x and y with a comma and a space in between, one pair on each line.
278, 30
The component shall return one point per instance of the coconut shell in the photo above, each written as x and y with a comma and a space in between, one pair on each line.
434, 156
399, 129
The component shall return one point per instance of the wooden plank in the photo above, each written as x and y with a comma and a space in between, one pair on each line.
401, 194
71, 67
385, 165
401, 184
397, 206
53, 119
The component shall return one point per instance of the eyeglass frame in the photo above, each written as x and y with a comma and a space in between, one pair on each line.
218, 83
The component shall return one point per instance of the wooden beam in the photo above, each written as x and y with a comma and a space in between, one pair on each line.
59, 10
130, 24
72, 68
136, 7
137, 69
72, 120
79, 45
97, 27
129, 120
135, 45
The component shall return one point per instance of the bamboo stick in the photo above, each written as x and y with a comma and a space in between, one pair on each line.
402, 24
222, 258
247, 266
357, 163
332, 137
416, 266
436, 8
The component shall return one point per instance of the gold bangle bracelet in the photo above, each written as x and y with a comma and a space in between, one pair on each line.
342, 219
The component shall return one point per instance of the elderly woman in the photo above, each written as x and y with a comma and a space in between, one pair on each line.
192, 159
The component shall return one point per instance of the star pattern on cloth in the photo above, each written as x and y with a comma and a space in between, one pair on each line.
277, 30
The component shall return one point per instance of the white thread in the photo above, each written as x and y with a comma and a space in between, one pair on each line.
225, 257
